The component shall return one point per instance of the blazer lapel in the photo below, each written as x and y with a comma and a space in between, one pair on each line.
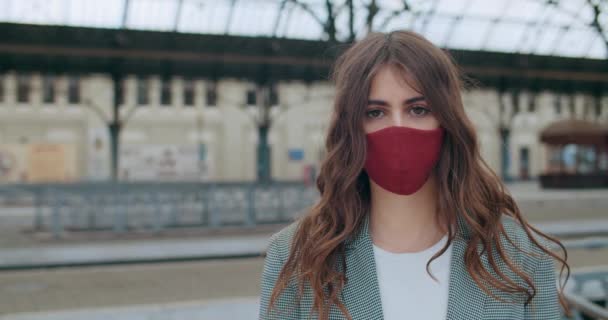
361, 294
465, 299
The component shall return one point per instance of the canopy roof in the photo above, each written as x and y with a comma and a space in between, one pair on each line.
575, 131
545, 27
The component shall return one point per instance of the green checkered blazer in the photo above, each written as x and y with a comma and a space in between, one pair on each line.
466, 300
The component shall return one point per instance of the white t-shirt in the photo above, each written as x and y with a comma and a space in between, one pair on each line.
406, 289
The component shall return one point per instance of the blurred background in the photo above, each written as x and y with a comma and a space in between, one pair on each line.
149, 148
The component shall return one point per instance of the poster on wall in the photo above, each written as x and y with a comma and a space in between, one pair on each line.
51, 163
37, 163
295, 154
13, 164
152, 162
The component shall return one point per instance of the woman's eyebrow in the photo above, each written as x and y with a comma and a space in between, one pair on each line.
384, 103
414, 99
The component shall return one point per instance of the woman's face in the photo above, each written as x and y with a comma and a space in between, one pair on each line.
392, 102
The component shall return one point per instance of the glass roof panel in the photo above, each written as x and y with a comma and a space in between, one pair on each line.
504, 36
574, 43
597, 49
254, 19
194, 17
578, 7
215, 16
487, 9
422, 5
283, 21
438, 28
530, 26
59, 12
523, 10
100, 14
294, 27
151, 15
547, 40
390, 5
572, 12
469, 34
530, 39
453, 7
402, 21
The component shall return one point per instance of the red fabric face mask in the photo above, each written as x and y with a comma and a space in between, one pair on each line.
400, 159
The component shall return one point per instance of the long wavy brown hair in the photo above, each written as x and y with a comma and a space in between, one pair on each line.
466, 184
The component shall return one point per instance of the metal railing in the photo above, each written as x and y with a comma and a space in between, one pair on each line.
156, 206
587, 289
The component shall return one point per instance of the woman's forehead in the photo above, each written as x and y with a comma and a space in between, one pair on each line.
389, 78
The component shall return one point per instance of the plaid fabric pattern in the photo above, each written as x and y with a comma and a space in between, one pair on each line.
466, 300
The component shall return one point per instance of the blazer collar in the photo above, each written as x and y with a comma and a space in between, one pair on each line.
361, 294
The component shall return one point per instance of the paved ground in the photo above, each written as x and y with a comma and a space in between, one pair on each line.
134, 251
121, 285
218, 309
57, 289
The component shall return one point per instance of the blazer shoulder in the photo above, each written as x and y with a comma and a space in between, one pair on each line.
280, 241
537, 264
277, 252
519, 238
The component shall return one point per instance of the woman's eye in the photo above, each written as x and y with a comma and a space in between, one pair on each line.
419, 111
374, 113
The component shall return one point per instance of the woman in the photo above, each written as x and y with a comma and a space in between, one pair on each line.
411, 223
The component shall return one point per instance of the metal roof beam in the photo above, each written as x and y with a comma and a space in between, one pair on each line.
533, 25
395, 14
566, 28
427, 17
278, 19
455, 23
125, 14
178, 14
486, 38
230, 14
540, 29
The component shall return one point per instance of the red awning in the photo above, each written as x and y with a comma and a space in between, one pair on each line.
575, 131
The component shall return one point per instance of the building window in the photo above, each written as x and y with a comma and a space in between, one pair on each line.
1, 88
597, 104
23, 88
120, 92
515, 101
165, 92
524, 163
501, 103
48, 89
143, 91
273, 95
532, 102
572, 104
251, 97
557, 104
211, 94
73, 89
188, 92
